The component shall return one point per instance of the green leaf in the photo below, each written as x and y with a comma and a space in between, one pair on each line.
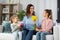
21, 15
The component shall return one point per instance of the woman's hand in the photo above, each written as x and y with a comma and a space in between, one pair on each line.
38, 29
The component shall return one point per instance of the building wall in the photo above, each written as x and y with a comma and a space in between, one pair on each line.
40, 5
1, 1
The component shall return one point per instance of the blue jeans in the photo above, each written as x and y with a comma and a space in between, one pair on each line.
27, 34
41, 35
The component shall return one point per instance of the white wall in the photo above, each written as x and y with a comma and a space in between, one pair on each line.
52, 4
40, 5
1, 1
48, 4
26, 2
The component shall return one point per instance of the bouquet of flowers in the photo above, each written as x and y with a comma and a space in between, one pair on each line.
34, 18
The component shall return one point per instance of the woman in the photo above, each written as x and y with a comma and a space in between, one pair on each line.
28, 29
46, 27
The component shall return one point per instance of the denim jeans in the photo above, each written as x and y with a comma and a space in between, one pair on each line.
41, 35
17, 35
27, 34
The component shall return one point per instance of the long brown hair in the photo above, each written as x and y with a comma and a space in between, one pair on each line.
28, 10
49, 11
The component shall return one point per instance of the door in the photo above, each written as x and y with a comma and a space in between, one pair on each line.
58, 14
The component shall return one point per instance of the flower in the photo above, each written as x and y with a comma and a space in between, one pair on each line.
21, 25
34, 18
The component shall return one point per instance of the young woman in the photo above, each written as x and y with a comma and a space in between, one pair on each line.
28, 30
15, 27
46, 27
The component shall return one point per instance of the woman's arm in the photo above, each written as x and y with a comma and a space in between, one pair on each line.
38, 25
24, 21
37, 29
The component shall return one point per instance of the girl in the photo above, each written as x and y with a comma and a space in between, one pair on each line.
15, 27
46, 27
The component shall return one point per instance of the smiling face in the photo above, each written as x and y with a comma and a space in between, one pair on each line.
45, 14
31, 9
15, 19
